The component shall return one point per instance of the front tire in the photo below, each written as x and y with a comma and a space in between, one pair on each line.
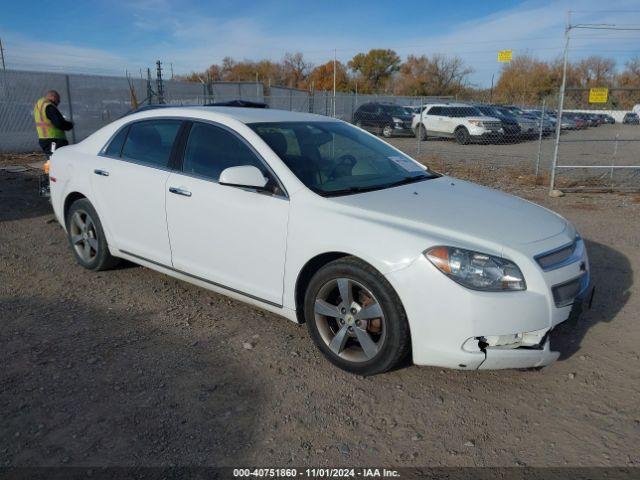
355, 318
87, 238
387, 131
462, 135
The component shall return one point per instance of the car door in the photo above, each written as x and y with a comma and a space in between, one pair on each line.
230, 236
129, 184
433, 120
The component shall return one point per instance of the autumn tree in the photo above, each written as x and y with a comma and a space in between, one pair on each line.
295, 69
321, 77
525, 80
374, 69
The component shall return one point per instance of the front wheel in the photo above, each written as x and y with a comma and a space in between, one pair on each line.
87, 238
462, 136
387, 131
355, 317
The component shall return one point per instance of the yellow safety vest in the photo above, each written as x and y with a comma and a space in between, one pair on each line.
45, 128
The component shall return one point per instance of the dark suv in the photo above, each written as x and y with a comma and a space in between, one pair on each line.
631, 118
383, 118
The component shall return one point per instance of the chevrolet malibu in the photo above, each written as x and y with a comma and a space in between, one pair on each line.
322, 223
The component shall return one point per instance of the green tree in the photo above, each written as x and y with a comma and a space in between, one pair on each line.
374, 69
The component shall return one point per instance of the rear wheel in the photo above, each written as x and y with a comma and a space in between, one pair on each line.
462, 135
355, 317
421, 133
87, 238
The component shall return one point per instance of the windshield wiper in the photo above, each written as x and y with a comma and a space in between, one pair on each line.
412, 179
404, 181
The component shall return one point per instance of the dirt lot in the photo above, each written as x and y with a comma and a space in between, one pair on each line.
130, 367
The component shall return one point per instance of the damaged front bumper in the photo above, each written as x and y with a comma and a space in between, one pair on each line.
522, 350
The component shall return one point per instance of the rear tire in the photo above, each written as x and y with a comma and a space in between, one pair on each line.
421, 133
462, 135
87, 238
365, 334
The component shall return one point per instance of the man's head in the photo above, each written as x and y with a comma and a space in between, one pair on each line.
53, 97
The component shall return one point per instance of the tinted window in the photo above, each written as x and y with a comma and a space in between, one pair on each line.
150, 142
435, 111
114, 149
211, 149
464, 112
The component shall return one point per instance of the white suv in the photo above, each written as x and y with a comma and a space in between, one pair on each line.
463, 122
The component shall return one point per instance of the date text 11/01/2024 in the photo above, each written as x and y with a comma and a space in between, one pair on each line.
316, 473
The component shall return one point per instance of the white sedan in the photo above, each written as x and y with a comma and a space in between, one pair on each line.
322, 223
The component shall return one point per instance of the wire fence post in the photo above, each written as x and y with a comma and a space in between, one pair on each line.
563, 86
419, 127
73, 130
544, 101
613, 159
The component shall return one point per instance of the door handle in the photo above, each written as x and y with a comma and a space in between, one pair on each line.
180, 191
103, 173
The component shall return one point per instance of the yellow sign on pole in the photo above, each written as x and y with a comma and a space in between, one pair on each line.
505, 56
598, 95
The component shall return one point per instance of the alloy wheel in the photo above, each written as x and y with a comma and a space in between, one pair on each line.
83, 234
350, 320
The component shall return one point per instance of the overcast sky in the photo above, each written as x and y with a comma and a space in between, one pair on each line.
108, 37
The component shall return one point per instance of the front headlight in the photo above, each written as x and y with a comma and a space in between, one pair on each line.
397, 120
477, 123
475, 270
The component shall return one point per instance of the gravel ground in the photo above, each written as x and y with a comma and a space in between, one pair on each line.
130, 367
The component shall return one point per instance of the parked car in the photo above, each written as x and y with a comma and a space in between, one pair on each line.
463, 122
580, 122
631, 118
529, 127
608, 119
548, 123
383, 119
318, 221
412, 109
510, 125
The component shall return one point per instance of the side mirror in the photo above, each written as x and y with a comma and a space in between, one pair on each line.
246, 176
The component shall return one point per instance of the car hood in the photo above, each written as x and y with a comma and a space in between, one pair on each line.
454, 208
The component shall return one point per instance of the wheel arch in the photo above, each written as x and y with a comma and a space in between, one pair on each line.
68, 201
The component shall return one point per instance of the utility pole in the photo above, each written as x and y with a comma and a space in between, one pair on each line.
491, 91
159, 85
149, 89
334, 83
171, 65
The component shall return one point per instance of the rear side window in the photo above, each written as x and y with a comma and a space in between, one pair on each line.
115, 147
435, 111
149, 142
211, 149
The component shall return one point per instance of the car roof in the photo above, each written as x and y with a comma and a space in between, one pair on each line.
243, 115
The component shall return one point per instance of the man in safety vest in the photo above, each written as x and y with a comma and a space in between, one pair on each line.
50, 123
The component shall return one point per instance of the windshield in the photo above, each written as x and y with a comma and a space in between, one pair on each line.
335, 158
488, 111
394, 110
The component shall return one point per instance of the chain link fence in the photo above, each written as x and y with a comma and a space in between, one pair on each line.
595, 148
93, 101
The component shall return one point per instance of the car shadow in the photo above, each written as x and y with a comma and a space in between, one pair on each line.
83, 385
20, 198
612, 276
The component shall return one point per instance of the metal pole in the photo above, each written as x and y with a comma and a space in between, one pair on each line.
257, 89
544, 101
73, 130
334, 83
563, 86
159, 84
420, 125
491, 91
613, 159
2, 55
